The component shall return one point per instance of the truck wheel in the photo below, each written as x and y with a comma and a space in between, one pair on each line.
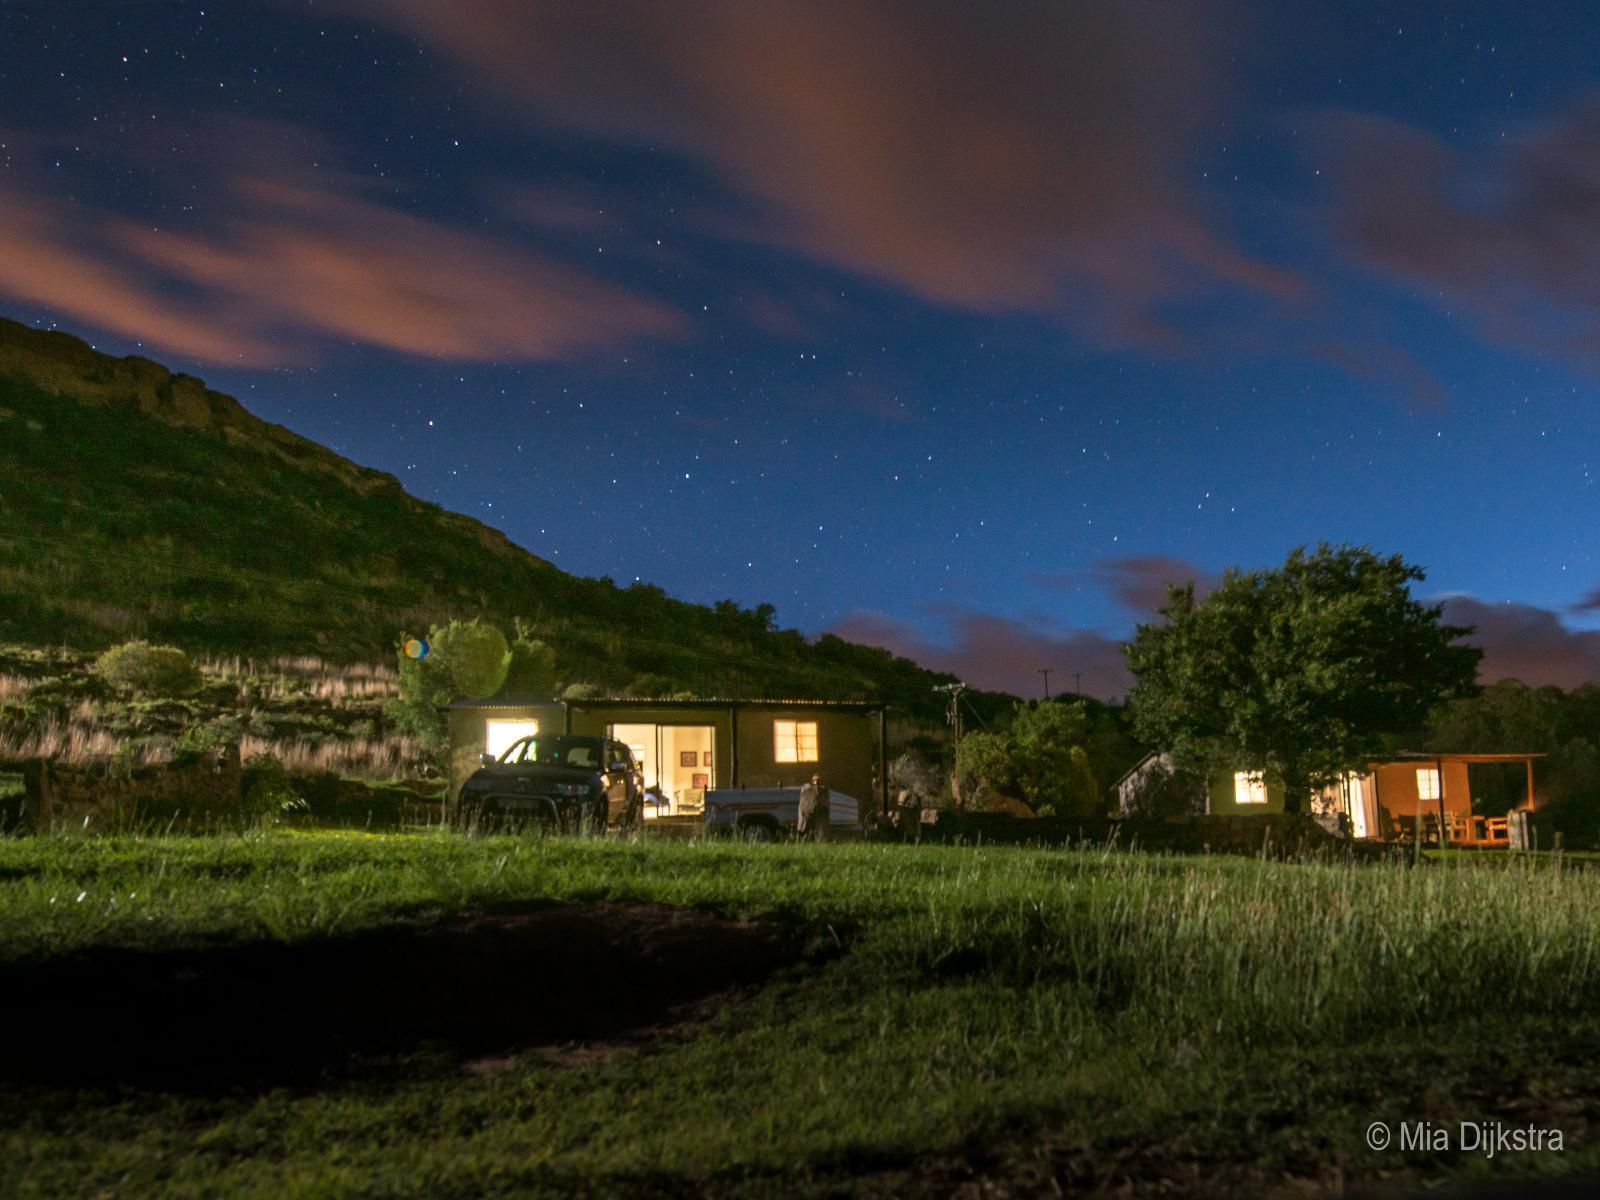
757, 831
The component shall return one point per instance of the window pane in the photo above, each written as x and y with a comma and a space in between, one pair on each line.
1249, 787
794, 741
1427, 783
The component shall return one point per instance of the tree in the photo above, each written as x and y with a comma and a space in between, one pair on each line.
532, 671
465, 658
1040, 759
1299, 672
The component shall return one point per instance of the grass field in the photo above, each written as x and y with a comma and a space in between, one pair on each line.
942, 1018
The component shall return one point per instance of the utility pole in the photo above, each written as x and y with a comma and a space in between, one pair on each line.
1077, 684
1045, 671
952, 716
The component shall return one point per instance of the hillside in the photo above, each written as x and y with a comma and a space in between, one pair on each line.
135, 502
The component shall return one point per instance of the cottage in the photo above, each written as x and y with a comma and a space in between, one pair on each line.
1402, 797
688, 746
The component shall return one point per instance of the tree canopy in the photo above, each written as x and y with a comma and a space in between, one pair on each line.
1041, 759
1299, 672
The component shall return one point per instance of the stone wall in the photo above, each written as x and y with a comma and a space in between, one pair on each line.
207, 791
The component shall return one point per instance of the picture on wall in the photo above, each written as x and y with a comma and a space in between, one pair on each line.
701, 781
686, 758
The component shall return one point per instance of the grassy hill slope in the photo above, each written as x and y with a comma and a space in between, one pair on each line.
138, 503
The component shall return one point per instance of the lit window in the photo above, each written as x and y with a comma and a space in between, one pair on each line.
794, 741
1249, 787
499, 735
1427, 783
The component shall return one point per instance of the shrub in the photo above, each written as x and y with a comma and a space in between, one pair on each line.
651, 686
532, 674
160, 671
269, 791
1040, 760
206, 737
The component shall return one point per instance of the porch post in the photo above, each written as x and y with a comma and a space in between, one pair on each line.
883, 759
1444, 828
1528, 762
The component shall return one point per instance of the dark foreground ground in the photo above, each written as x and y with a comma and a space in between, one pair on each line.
426, 1015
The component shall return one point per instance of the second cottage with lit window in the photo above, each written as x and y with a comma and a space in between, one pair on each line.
688, 746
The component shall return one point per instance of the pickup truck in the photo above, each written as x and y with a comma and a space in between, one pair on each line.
766, 814
569, 782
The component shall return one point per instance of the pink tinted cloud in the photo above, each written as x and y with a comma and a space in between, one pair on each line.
1032, 161
1522, 641
998, 653
1509, 232
58, 257
288, 263
1137, 582
1519, 641
1140, 582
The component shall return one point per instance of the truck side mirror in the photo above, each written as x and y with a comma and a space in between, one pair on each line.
487, 760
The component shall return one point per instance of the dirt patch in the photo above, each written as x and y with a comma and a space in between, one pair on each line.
472, 988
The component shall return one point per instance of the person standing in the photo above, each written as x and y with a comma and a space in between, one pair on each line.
813, 822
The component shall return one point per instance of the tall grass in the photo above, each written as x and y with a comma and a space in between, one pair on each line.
69, 741
304, 675
391, 756
1097, 1016
1233, 948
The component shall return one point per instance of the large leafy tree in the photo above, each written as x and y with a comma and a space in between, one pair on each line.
1299, 672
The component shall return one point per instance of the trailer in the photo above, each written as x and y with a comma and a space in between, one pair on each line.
767, 814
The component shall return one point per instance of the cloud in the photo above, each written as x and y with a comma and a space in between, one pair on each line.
1509, 232
1138, 582
1030, 162
289, 261
1590, 603
1387, 365
998, 653
1521, 641
58, 257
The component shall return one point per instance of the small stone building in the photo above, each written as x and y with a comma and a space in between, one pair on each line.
688, 746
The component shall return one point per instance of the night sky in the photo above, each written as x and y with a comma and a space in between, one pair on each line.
952, 327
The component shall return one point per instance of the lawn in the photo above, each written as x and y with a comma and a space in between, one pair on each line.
940, 1016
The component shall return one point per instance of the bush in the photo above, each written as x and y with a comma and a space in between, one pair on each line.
1040, 760
205, 738
159, 671
532, 674
269, 791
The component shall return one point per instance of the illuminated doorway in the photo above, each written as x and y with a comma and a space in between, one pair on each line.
676, 761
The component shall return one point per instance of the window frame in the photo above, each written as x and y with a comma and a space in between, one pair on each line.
1434, 789
796, 746
1247, 786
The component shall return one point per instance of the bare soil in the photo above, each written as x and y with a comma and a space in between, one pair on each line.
471, 988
